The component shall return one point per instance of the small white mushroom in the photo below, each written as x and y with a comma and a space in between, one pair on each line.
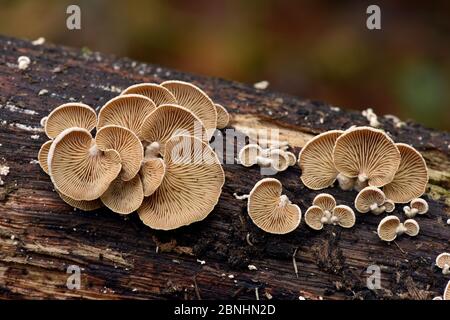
23, 62
370, 199
443, 262
417, 206
390, 227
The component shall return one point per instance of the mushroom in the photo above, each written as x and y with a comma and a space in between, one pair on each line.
167, 121
81, 204
388, 205
417, 206
127, 144
316, 161
222, 116
124, 197
43, 154
197, 101
128, 111
324, 211
70, 115
411, 178
367, 154
152, 174
390, 227
191, 186
370, 199
292, 158
443, 262
157, 93
343, 216
78, 168
447, 292
248, 155
279, 160
270, 210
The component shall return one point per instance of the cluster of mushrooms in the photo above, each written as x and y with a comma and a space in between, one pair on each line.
150, 153
276, 157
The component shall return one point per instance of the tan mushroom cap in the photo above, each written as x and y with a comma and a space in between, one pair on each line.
70, 115
128, 111
270, 210
81, 204
420, 205
223, 117
387, 228
292, 158
369, 198
127, 144
443, 259
389, 205
152, 174
191, 186
446, 295
124, 197
169, 120
313, 217
43, 155
197, 101
368, 154
345, 216
279, 160
248, 154
157, 93
412, 227
316, 161
325, 201
78, 169
411, 178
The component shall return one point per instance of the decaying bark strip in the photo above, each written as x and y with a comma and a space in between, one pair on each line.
40, 236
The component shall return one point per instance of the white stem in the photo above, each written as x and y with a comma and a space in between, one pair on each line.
401, 229
93, 151
345, 183
263, 161
243, 197
284, 201
410, 212
152, 150
379, 210
446, 269
373, 207
362, 177
334, 220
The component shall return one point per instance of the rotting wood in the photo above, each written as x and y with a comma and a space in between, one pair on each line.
40, 236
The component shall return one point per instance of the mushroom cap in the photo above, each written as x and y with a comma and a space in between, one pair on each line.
412, 227
387, 228
316, 160
279, 160
368, 196
389, 205
43, 155
248, 154
77, 169
127, 144
325, 201
81, 204
313, 217
223, 117
346, 216
128, 111
191, 186
157, 93
446, 294
152, 174
420, 204
197, 101
443, 259
271, 211
169, 120
124, 197
411, 178
70, 115
367, 153
292, 158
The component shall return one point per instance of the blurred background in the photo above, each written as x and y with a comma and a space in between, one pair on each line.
318, 50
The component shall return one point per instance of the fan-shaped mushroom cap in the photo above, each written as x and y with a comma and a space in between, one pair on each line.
248, 154
78, 169
446, 295
169, 120
387, 228
389, 205
368, 154
292, 158
279, 160
152, 174
197, 101
43, 155
420, 205
124, 197
316, 161
313, 217
127, 144
70, 115
270, 210
443, 260
157, 93
325, 201
411, 178
345, 216
128, 111
81, 204
369, 198
191, 186
412, 227
222, 116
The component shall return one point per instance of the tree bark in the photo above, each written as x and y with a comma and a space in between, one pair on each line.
40, 236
